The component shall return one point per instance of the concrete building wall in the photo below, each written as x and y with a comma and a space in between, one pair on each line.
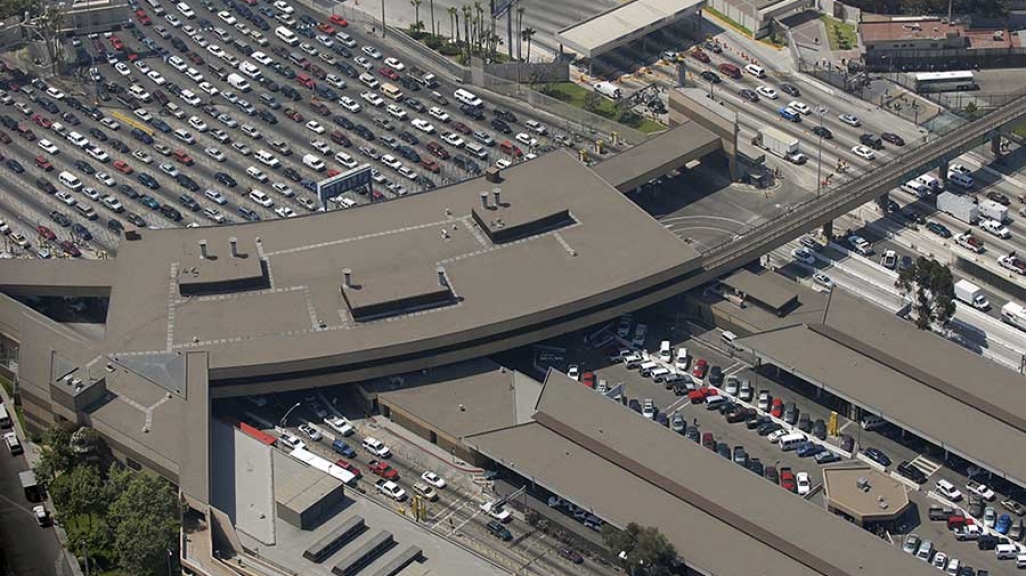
692, 105
744, 14
424, 430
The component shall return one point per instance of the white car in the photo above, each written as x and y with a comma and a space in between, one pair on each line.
850, 119
143, 157
453, 139
438, 114
372, 99
801, 107
863, 152
173, 20
948, 490
216, 196
527, 140
315, 127
860, 244
823, 280
372, 52
143, 114
395, 64
215, 153
574, 372
169, 169
48, 146
396, 112
363, 62
322, 147
777, 435
285, 212
106, 179
391, 161
982, 490
261, 58
208, 88
498, 512
291, 441
57, 94
157, 77
803, 255
284, 7
804, 483
110, 123
216, 50
227, 17
433, 479
122, 68
198, 123
349, 104
335, 80
503, 163
648, 409
65, 197
310, 432
423, 125
283, 189
536, 127
682, 360
261, 198
767, 92
340, 425
42, 516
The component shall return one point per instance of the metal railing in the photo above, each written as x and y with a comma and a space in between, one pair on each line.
873, 182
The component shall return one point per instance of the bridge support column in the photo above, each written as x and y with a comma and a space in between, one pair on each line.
943, 173
828, 231
995, 147
881, 201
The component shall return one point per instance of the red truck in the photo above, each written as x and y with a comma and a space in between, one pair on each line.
382, 469
787, 481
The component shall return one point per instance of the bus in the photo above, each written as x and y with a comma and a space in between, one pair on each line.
945, 81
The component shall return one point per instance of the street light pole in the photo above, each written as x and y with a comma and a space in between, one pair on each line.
281, 423
819, 154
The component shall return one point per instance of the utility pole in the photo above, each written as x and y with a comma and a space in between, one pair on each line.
382, 18
819, 155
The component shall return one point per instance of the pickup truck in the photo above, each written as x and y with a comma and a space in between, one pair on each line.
982, 489
970, 242
967, 532
379, 468
391, 489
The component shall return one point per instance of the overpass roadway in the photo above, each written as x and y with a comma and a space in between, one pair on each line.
818, 211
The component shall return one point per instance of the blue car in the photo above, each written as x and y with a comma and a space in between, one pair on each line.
1004, 524
808, 449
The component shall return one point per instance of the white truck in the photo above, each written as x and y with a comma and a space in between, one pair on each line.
779, 143
1015, 314
960, 207
993, 210
971, 294
608, 89
970, 242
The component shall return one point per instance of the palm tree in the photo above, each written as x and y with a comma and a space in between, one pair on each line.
466, 30
417, 24
479, 36
509, 32
454, 23
494, 38
527, 34
431, 5
520, 27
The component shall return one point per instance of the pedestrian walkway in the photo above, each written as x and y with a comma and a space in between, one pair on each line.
929, 467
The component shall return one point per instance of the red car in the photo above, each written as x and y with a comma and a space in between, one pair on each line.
787, 481
195, 58
430, 165
5, 138
462, 128
332, 172
72, 250
388, 73
326, 28
708, 441
338, 20
46, 233
143, 18
700, 56
320, 107
122, 166
43, 163
437, 149
42, 120
699, 395
347, 465
701, 367
318, 72
379, 468
777, 408
588, 379
116, 42
294, 115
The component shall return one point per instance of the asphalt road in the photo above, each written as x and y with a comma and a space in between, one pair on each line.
30, 550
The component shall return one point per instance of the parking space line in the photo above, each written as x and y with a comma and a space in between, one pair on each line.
929, 467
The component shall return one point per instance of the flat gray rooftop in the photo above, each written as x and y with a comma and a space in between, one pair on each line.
769, 288
603, 457
622, 25
658, 156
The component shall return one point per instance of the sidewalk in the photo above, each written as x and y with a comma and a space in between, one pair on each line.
419, 450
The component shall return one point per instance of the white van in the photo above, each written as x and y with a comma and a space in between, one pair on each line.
139, 92
660, 374
646, 368
239, 83
5, 418
346, 160
261, 198
369, 80
1020, 561
287, 36
871, 422
728, 338
916, 187
185, 10
665, 351
477, 150
376, 447
930, 182
250, 69
70, 181
756, 71
313, 161
467, 97
963, 180
77, 139
789, 442
1006, 551
267, 158
86, 210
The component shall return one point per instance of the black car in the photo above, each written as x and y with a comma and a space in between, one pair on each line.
847, 442
749, 95
267, 117
723, 450
755, 465
693, 434
771, 474
819, 429
823, 131
711, 76
15, 165
876, 455
71, 119
501, 126
81, 231
46, 186
414, 105
805, 423
292, 174
914, 216
740, 457
85, 167
409, 137
248, 214
60, 218
128, 191
571, 555
148, 181
791, 413
343, 121
364, 132
893, 138
472, 111
790, 90
767, 428
499, 531
913, 473
187, 183
226, 179
939, 229
189, 202
98, 134
505, 115
115, 225
715, 376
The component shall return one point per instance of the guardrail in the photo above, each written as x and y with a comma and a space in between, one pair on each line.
862, 188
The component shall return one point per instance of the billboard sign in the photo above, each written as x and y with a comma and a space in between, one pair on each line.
344, 182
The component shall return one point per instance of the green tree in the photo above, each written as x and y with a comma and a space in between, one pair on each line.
144, 519
417, 25
592, 102
57, 456
79, 492
528, 33
645, 549
931, 287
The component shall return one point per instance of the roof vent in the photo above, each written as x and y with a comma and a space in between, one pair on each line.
862, 483
484, 200
347, 277
203, 250
493, 174
233, 243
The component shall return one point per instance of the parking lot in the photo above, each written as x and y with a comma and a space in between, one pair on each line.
704, 344
169, 103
